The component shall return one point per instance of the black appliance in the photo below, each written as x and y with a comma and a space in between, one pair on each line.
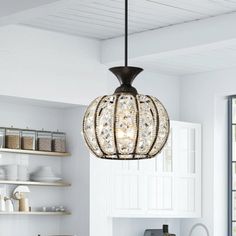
158, 232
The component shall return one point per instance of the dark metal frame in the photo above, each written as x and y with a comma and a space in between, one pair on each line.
114, 127
230, 164
157, 124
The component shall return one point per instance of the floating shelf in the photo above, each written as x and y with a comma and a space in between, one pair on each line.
41, 153
36, 213
34, 183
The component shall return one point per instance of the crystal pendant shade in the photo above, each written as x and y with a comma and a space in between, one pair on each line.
126, 126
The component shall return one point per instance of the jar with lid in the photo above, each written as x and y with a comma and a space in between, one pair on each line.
12, 139
59, 142
28, 139
44, 141
2, 137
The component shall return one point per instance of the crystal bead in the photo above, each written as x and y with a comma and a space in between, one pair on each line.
126, 126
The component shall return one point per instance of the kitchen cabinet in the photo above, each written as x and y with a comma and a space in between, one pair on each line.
166, 186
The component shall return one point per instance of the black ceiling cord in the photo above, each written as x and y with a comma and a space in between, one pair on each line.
126, 32
126, 74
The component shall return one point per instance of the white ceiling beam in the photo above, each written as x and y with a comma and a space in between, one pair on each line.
43, 8
207, 33
9, 7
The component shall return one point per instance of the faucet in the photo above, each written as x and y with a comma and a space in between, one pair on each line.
199, 225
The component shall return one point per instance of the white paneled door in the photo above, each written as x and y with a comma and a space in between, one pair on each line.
166, 186
127, 189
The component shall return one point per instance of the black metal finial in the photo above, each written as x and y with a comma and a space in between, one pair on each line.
126, 75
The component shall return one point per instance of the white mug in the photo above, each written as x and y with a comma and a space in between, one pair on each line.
2, 204
9, 205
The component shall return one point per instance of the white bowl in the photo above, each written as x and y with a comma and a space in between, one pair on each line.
44, 171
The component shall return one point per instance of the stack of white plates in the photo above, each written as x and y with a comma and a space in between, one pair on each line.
44, 174
23, 173
11, 172
2, 173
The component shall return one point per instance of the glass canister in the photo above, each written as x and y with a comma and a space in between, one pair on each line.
2, 137
12, 139
59, 142
44, 141
28, 138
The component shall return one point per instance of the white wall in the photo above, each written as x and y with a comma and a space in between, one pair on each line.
35, 117
76, 170
49, 66
203, 100
52, 66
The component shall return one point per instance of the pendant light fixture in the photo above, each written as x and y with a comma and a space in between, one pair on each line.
126, 125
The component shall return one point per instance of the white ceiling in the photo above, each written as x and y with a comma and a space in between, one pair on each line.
8, 7
191, 62
104, 19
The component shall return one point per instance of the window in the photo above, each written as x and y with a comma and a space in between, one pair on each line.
232, 167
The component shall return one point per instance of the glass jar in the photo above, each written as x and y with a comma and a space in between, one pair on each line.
59, 142
2, 137
44, 141
12, 139
28, 138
